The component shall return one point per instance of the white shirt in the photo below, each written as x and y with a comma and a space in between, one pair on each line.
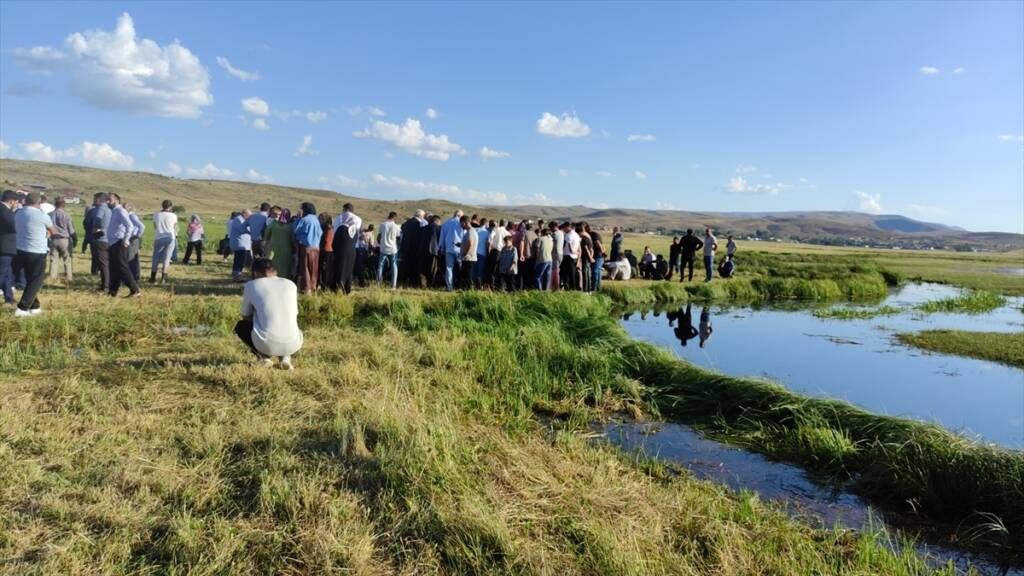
497, 239
46, 207
273, 304
389, 238
352, 222
709, 245
165, 225
559, 238
572, 245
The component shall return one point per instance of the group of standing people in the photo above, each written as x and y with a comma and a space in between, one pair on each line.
683, 255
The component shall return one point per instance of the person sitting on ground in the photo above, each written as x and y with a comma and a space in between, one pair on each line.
619, 270
634, 266
646, 263
270, 316
727, 268
660, 269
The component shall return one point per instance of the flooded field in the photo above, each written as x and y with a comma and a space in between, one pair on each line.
856, 360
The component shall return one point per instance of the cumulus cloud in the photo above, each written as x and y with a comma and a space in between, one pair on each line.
929, 70
121, 72
639, 175
368, 110
487, 153
103, 155
173, 168
411, 138
565, 126
306, 148
431, 113
603, 173
209, 171
260, 124
740, 185
868, 202
960, 70
640, 138
236, 72
257, 177
256, 106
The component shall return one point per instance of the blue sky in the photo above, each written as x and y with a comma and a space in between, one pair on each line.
912, 108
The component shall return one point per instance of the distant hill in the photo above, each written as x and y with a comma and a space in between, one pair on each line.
217, 198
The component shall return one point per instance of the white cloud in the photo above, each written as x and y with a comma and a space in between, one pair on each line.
746, 168
257, 177
868, 202
664, 206
374, 111
603, 173
103, 155
173, 168
1011, 137
256, 106
260, 124
368, 110
411, 138
432, 189
323, 179
317, 116
565, 126
119, 71
487, 153
4, 149
209, 171
929, 70
739, 185
306, 148
563, 172
639, 175
431, 113
640, 138
960, 70
237, 73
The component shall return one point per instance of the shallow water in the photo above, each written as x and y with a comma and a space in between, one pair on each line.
857, 360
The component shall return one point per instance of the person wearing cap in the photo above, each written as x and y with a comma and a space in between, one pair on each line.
119, 234
33, 227
60, 243
8, 244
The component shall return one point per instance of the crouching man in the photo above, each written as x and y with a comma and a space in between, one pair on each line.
270, 316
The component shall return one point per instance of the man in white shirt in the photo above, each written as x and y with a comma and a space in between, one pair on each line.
165, 224
270, 316
571, 277
387, 239
710, 245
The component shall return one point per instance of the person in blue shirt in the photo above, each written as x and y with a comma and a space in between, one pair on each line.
257, 224
100, 218
308, 232
483, 235
451, 245
32, 228
240, 240
119, 235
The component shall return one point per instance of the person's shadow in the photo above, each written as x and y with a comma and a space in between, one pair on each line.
684, 331
705, 325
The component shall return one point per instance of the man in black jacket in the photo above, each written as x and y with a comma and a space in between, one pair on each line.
8, 244
688, 247
408, 251
673, 255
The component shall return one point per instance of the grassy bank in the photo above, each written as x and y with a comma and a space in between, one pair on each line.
845, 313
1007, 348
138, 438
973, 302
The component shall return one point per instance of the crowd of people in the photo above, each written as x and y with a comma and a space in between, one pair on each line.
682, 256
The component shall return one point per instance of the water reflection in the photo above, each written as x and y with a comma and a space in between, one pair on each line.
684, 330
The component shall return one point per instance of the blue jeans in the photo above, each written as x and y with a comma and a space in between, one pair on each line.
451, 263
162, 249
391, 261
709, 265
542, 275
595, 283
480, 269
7, 278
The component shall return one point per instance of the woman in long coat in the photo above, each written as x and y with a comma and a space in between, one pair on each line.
279, 244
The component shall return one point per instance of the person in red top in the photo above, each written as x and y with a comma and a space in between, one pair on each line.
327, 253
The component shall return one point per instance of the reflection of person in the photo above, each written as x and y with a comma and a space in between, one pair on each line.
685, 330
705, 325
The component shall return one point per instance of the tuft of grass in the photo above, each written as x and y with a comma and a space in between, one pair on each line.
973, 302
1005, 347
846, 313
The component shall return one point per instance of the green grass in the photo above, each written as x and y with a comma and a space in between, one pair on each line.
137, 437
1007, 348
973, 302
846, 313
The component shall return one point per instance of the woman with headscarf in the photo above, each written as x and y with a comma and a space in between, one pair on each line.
195, 235
346, 229
278, 242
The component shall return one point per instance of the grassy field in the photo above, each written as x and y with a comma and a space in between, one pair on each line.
1007, 348
137, 437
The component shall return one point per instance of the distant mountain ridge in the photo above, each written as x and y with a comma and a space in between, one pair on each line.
217, 198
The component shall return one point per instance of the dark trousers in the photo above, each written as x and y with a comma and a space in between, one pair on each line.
198, 247
243, 258
570, 274
34, 266
243, 329
687, 263
344, 259
585, 276
257, 249
467, 274
101, 259
121, 270
7, 278
508, 282
327, 270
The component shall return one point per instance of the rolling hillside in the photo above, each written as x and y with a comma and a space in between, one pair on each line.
217, 198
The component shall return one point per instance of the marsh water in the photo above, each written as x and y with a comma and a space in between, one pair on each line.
860, 361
